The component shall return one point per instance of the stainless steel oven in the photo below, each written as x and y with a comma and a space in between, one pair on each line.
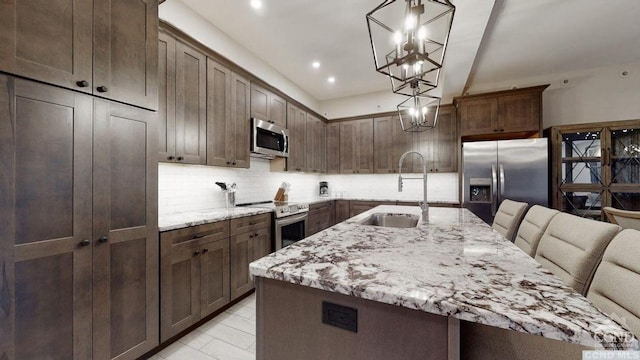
290, 229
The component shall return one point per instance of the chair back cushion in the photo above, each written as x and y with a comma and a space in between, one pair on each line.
625, 218
532, 227
508, 217
616, 284
572, 247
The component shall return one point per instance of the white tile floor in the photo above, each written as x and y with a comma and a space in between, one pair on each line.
229, 336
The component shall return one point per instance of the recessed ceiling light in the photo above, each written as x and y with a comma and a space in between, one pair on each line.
331, 79
256, 4
315, 64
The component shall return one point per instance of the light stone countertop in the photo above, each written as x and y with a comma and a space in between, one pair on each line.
455, 265
199, 217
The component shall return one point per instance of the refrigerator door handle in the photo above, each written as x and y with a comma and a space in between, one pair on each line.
501, 181
494, 190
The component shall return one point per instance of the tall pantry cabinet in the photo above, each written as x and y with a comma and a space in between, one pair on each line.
78, 190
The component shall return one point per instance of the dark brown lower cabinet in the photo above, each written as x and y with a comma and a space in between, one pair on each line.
245, 248
79, 235
341, 211
320, 217
358, 207
194, 275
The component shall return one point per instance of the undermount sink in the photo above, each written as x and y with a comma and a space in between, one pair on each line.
392, 220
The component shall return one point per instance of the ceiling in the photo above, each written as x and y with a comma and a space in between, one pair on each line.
491, 41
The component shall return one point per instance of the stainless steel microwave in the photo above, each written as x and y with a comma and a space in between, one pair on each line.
269, 139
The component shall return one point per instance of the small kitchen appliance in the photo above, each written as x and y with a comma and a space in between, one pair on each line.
324, 189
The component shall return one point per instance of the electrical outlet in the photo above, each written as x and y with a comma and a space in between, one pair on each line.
340, 316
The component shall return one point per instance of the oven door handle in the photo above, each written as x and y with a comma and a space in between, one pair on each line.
291, 219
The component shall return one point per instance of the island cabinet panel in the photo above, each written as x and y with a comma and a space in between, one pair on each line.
297, 126
103, 47
356, 146
267, 106
332, 153
503, 114
289, 313
228, 123
182, 110
194, 274
81, 223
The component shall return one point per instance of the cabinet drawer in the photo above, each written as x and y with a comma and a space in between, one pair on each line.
212, 231
250, 223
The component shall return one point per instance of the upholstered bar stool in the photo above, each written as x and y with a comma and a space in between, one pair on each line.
572, 247
508, 218
532, 228
625, 218
615, 288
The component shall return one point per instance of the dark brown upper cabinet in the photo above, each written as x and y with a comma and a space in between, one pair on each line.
439, 145
297, 126
504, 114
182, 110
228, 122
315, 144
390, 143
267, 106
356, 147
332, 153
103, 47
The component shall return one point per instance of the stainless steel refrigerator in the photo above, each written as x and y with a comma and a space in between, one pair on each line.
504, 169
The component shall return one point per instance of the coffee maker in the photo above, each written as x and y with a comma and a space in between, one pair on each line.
324, 189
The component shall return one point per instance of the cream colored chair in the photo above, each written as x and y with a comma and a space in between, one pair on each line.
508, 217
572, 247
533, 227
615, 288
625, 218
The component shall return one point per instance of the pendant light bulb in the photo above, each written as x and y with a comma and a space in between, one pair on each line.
422, 33
410, 22
397, 38
425, 110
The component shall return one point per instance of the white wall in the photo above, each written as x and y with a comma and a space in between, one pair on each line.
190, 187
181, 16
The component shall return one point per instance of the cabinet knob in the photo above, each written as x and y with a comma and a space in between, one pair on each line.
233, 163
436, 170
228, 162
85, 242
102, 89
196, 253
103, 240
205, 250
180, 158
501, 130
82, 83
250, 236
171, 157
495, 130
255, 235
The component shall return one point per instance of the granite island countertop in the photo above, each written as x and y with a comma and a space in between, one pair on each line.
455, 265
198, 217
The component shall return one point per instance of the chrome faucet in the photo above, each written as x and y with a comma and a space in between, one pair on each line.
424, 205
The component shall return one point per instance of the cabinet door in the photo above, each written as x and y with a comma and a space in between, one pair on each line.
444, 148
342, 211
478, 117
241, 121
45, 137
332, 151
49, 41
191, 107
219, 124
180, 274
241, 254
125, 53
314, 144
277, 110
297, 126
260, 103
364, 146
519, 112
348, 147
214, 276
384, 141
166, 97
261, 243
125, 230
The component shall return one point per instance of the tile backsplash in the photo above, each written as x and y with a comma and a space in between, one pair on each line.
191, 187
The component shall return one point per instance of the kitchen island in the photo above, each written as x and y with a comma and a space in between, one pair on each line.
410, 288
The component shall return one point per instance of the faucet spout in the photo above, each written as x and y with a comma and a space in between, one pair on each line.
424, 205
